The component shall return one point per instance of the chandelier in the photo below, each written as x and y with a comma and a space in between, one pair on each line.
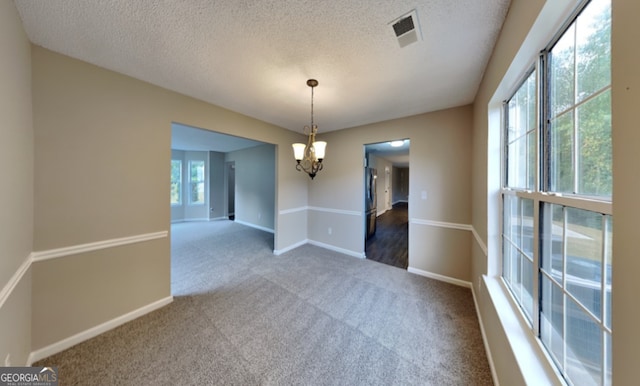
309, 157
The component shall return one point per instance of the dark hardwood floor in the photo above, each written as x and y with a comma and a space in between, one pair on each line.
390, 244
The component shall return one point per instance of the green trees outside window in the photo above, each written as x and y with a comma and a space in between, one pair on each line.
580, 105
176, 182
196, 182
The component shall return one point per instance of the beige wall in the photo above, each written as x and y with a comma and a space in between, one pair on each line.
75, 293
99, 140
626, 190
440, 165
290, 233
16, 195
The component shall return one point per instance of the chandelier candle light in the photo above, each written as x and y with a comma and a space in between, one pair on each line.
310, 156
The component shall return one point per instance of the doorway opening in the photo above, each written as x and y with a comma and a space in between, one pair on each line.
386, 197
220, 184
230, 180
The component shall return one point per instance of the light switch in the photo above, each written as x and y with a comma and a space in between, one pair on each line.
423, 194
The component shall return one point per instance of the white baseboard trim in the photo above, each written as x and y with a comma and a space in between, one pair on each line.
181, 220
195, 219
321, 245
66, 343
330, 247
441, 224
83, 248
255, 226
436, 276
320, 209
487, 350
279, 252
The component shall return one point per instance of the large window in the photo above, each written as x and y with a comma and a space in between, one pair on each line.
579, 68
556, 198
176, 182
521, 146
196, 182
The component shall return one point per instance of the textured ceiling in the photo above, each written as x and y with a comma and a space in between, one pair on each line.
254, 57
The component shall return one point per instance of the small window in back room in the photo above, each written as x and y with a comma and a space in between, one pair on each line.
196, 182
176, 182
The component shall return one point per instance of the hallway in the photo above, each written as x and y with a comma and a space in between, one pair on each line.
390, 244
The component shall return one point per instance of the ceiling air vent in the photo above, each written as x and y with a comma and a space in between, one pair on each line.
403, 26
406, 29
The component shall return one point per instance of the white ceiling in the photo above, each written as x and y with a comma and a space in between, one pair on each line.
254, 56
398, 156
190, 138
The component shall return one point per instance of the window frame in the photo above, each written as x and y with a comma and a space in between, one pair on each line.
543, 197
522, 193
544, 65
179, 181
191, 181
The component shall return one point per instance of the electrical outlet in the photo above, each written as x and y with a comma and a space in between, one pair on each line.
329, 231
259, 215
7, 361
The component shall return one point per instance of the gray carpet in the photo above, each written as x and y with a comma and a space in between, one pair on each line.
242, 316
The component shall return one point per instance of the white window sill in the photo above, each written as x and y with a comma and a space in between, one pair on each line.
533, 362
